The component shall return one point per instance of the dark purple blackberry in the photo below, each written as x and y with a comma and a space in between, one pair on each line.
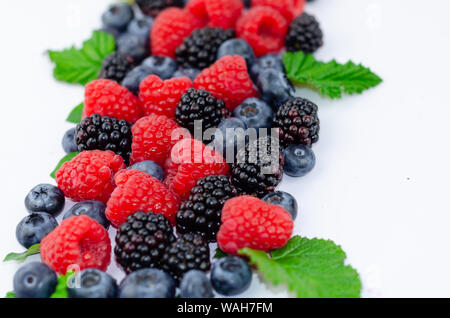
142, 241
200, 49
188, 252
304, 34
154, 7
258, 168
104, 133
198, 104
115, 67
298, 122
202, 212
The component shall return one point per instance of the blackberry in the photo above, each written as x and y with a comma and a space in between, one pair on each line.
202, 212
188, 252
200, 49
198, 104
298, 122
258, 168
115, 67
154, 7
104, 133
304, 34
142, 241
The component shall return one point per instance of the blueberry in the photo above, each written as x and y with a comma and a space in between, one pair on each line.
93, 283
229, 137
190, 73
68, 143
147, 283
135, 77
34, 227
45, 198
247, 3
237, 47
196, 284
162, 66
269, 61
150, 168
299, 160
133, 45
255, 113
274, 87
141, 27
93, 209
231, 276
118, 16
283, 199
34, 280
115, 33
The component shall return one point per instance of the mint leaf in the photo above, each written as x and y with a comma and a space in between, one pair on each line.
76, 114
331, 79
81, 66
61, 287
20, 257
66, 158
220, 254
309, 267
10, 295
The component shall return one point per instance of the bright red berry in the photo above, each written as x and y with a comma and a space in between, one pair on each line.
170, 29
153, 138
162, 97
108, 98
289, 9
264, 29
250, 222
227, 79
89, 176
190, 161
138, 191
217, 13
77, 241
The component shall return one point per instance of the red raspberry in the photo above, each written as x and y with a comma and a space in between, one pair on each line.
250, 222
80, 241
138, 191
162, 97
288, 8
227, 79
108, 98
190, 161
89, 176
153, 138
217, 13
170, 29
264, 29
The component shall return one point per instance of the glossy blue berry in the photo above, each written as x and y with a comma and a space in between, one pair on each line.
255, 113
45, 198
141, 27
298, 160
68, 142
151, 168
133, 45
147, 283
237, 47
231, 276
274, 87
34, 227
34, 280
229, 137
283, 199
190, 73
269, 61
162, 66
93, 209
118, 16
92, 283
195, 284
134, 78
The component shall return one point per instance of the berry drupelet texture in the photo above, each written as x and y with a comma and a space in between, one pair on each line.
199, 50
154, 7
304, 34
105, 133
142, 241
202, 212
298, 122
115, 67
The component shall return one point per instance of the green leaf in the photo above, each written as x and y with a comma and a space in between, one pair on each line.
61, 287
312, 268
66, 158
10, 295
220, 254
20, 257
76, 114
81, 66
331, 79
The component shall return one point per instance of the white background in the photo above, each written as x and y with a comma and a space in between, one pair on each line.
381, 185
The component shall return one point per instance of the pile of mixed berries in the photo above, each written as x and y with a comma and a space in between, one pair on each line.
140, 170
